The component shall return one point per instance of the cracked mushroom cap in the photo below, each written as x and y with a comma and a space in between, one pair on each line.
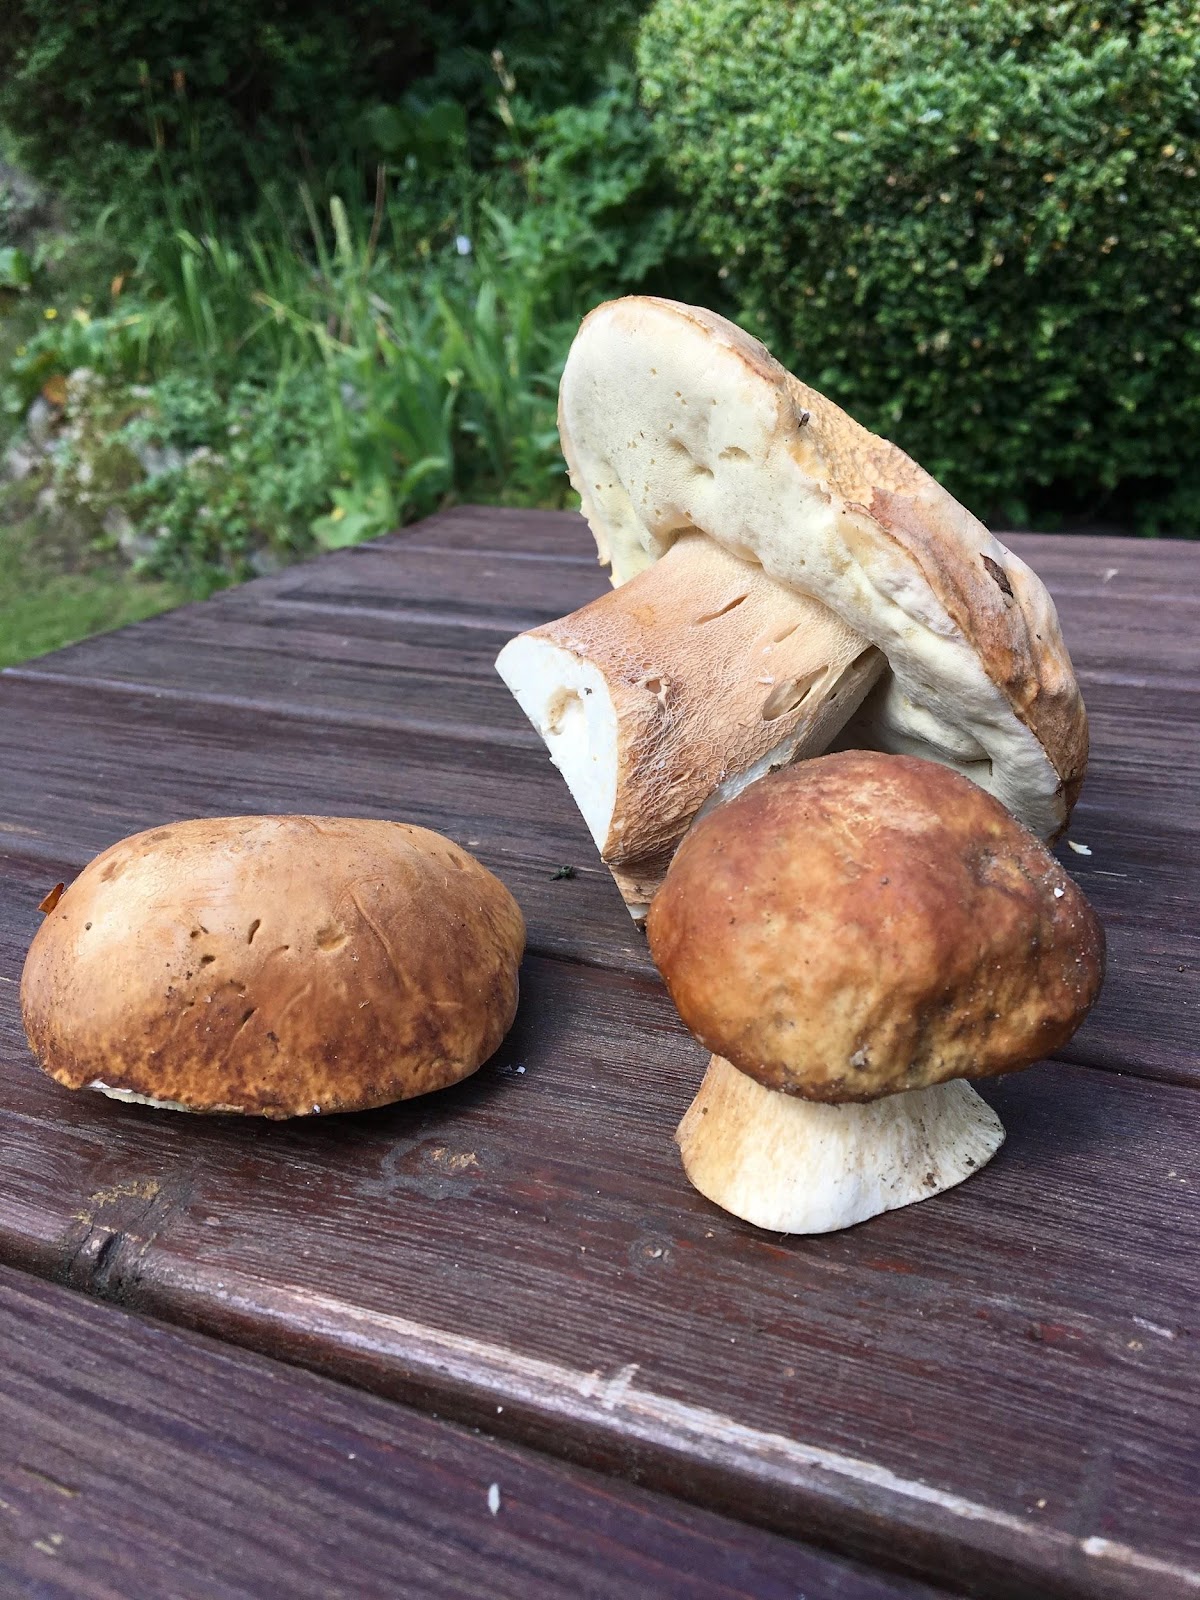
277, 966
673, 419
863, 924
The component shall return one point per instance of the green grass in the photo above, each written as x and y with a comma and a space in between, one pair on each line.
52, 597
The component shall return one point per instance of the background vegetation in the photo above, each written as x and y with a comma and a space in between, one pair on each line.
977, 225
277, 277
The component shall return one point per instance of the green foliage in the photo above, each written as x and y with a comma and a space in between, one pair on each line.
226, 368
225, 97
204, 89
596, 215
16, 269
248, 401
243, 503
974, 223
281, 385
52, 597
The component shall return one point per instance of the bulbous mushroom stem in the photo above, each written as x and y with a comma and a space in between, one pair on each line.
803, 1166
679, 688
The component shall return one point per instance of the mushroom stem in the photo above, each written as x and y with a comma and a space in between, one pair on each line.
679, 688
803, 1166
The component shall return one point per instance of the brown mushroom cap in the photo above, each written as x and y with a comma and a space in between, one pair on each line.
862, 924
276, 966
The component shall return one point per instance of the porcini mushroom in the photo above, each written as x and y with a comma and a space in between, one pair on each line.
853, 938
274, 966
780, 573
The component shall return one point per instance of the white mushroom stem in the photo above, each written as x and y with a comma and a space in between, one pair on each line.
678, 689
800, 1166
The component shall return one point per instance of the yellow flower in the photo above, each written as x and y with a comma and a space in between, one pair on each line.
337, 513
50, 313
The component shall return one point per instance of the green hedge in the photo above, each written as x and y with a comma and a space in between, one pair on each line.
974, 223
238, 91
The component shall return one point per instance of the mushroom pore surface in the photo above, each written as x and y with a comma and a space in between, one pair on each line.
673, 420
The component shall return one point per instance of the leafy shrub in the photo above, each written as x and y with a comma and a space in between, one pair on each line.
248, 401
86, 88
974, 223
324, 383
241, 477
231, 91
595, 214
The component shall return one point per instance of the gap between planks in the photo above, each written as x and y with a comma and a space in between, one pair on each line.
477, 733
608, 1419
33, 852
474, 733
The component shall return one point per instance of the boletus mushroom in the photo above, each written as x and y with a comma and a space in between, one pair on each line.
786, 582
274, 966
854, 938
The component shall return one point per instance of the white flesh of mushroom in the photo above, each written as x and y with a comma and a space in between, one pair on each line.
131, 1097
677, 689
569, 703
801, 1166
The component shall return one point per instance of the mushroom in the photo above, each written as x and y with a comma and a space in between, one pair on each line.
677, 690
274, 966
853, 938
785, 582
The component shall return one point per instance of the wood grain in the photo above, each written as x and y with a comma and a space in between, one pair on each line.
143, 1461
921, 1384
996, 1390
377, 664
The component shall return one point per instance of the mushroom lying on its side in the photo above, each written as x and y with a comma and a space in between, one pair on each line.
851, 937
677, 690
776, 564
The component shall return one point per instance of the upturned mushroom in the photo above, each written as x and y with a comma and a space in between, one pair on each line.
786, 582
853, 938
273, 966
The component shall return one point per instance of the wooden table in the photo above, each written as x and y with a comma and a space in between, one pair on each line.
994, 1393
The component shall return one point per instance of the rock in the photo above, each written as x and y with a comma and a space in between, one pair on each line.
265, 562
16, 464
155, 459
120, 527
40, 422
79, 381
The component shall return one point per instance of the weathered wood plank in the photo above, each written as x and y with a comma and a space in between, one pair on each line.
921, 1385
86, 768
1090, 554
140, 1460
1107, 561
412, 676
1102, 571
478, 586
280, 631
74, 747
1002, 1383
551, 533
